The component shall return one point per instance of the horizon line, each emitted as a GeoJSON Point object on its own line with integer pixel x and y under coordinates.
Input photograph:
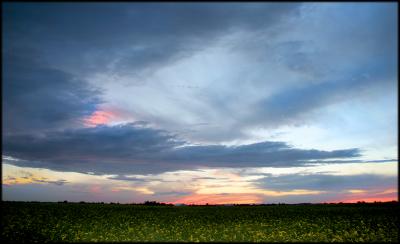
{"type": "Point", "coordinates": [154, 203]}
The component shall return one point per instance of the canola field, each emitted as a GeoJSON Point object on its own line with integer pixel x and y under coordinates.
{"type": "Point", "coordinates": [74, 222]}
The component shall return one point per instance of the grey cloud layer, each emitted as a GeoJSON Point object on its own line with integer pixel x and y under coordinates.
{"type": "Point", "coordinates": [326, 182]}
{"type": "Point", "coordinates": [142, 34]}
{"type": "Point", "coordinates": [47, 46]}
{"type": "Point", "coordinates": [298, 57]}
{"type": "Point", "coordinates": [37, 98]}
{"type": "Point", "coordinates": [132, 148]}
{"type": "Point", "coordinates": [276, 76]}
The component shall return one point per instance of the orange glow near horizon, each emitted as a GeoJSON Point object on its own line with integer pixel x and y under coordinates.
{"type": "Point", "coordinates": [385, 195]}
{"type": "Point", "coordinates": [368, 199]}
{"type": "Point", "coordinates": [237, 198]}
{"type": "Point", "coordinates": [227, 188]}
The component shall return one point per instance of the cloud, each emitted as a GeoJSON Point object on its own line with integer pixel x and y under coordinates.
{"type": "Point", "coordinates": [31, 179]}
{"type": "Point", "coordinates": [37, 98]}
{"type": "Point", "coordinates": [104, 143]}
{"type": "Point", "coordinates": [126, 178]}
{"type": "Point", "coordinates": [283, 75]}
{"type": "Point", "coordinates": [143, 35]}
{"type": "Point", "coordinates": [267, 153]}
{"type": "Point", "coordinates": [134, 148]}
{"type": "Point", "coordinates": [294, 104]}
{"type": "Point", "coordinates": [327, 182]}
{"type": "Point", "coordinates": [72, 193]}
{"type": "Point", "coordinates": [140, 37]}
{"type": "Point", "coordinates": [291, 185]}
{"type": "Point", "coordinates": [280, 63]}
{"type": "Point", "coordinates": [56, 182]}
{"type": "Point", "coordinates": [321, 60]}
{"type": "Point", "coordinates": [253, 65]}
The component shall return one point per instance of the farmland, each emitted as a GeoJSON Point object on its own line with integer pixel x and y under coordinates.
{"type": "Point", "coordinates": [74, 222]}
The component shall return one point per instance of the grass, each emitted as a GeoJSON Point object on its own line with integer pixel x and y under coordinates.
{"type": "Point", "coordinates": [73, 222]}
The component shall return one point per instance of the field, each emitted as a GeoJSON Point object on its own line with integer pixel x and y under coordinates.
{"type": "Point", "coordinates": [74, 222]}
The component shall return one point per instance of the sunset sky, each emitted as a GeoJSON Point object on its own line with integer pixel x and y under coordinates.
{"type": "Point", "coordinates": [200, 102]}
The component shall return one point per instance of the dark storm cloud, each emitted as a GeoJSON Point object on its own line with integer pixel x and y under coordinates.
{"type": "Point", "coordinates": [37, 98]}
{"type": "Point", "coordinates": [132, 148]}
{"type": "Point", "coordinates": [327, 182]}
{"type": "Point", "coordinates": [88, 37]}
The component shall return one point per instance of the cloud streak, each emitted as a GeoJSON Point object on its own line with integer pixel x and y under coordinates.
{"type": "Point", "coordinates": [136, 148]}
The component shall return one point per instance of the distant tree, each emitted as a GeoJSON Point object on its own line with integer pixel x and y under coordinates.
{"type": "Point", "coordinates": [153, 203]}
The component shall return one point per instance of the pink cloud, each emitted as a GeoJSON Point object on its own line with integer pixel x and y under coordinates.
{"type": "Point", "coordinates": [100, 118]}
{"type": "Point", "coordinates": [106, 116]}
{"type": "Point", "coordinates": [95, 189]}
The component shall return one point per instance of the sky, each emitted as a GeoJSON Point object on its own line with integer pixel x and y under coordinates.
{"type": "Point", "coordinates": [200, 102]}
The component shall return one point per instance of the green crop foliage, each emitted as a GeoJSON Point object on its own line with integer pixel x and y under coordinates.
{"type": "Point", "coordinates": [73, 222]}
